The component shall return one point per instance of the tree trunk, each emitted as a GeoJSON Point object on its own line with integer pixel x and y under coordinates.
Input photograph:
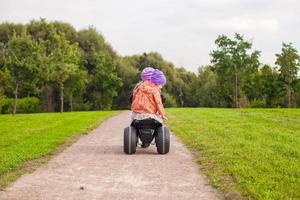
{"type": "Point", "coordinates": [50, 98]}
{"type": "Point", "coordinates": [71, 102]}
{"type": "Point", "coordinates": [16, 97]}
{"type": "Point", "coordinates": [61, 97]}
{"type": "Point", "coordinates": [181, 99]}
{"type": "Point", "coordinates": [236, 91]}
{"type": "Point", "coordinates": [289, 97]}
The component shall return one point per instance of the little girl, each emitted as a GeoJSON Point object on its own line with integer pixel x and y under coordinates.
{"type": "Point", "coordinates": [146, 101]}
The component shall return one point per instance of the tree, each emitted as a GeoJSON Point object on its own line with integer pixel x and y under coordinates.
{"type": "Point", "coordinates": [67, 29]}
{"type": "Point", "coordinates": [43, 32]}
{"type": "Point", "coordinates": [289, 62]}
{"type": "Point", "coordinates": [203, 90]}
{"type": "Point", "coordinates": [75, 85]}
{"type": "Point", "coordinates": [184, 79]}
{"type": "Point", "coordinates": [64, 60]}
{"type": "Point", "coordinates": [4, 77]}
{"type": "Point", "coordinates": [233, 62]}
{"type": "Point", "coordinates": [130, 75]}
{"type": "Point", "coordinates": [100, 61]}
{"type": "Point", "coordinates": [7, 30]}
{"type": "Point", "coordinates": [104, 84]}
{"type": "Point", "coordinates": [271, 88]}
{"type": "Point", "coordinates": [92, 44]}
{"type": "Point", "coordinates": [2, 74]}
{"type": "Point", "coordinates": [297, 95]}
{"type": "Point", "coordinates": [21, 62]}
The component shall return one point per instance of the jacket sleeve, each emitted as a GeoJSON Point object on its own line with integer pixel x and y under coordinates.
{"type": "Point", "coordinates": [132, 95]}
{"type": "Point", "coordinates": [159, 105]}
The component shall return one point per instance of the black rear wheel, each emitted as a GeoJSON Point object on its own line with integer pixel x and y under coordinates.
{"type": "Point", "coordinates": [163, 140]}
{"type": "Point", "coordinates": [130, 140]}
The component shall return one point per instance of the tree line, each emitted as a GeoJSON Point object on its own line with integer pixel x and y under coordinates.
{"type": "Point", "coordinates": [237, 78]}
{"type": "Point", "coordinates": [50, 66]}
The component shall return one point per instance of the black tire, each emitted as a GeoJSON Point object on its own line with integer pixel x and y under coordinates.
{"type": "Point", "coordinates": [163, 140]}
{"type": "Point", "coordinates": [130, 140]}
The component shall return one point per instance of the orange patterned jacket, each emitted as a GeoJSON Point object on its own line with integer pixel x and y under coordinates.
{"type": "Point", "coordinates": [147, 99]}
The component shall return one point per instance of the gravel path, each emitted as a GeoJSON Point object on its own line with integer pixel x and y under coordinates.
{"type": "Point", "coordinates": [95, 167]}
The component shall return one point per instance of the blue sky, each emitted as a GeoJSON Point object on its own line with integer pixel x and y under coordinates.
{"type": "Point", "coordinates": [183, 31]}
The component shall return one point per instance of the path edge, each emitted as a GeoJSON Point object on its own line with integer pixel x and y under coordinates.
{"type": "Point", "coordinates": [30, 166]}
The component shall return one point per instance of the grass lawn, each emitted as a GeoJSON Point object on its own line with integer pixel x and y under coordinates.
{"type": "Point", "coordinates": [26, 137]}
{"type": "Point", "coordinates": [253, 152]}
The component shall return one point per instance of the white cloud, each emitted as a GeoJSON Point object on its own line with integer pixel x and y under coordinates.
{"type": "Point", "coordinates": [248, 24]}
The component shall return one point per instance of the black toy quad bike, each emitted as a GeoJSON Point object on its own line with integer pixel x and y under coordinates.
{"type": "Point", "coordinates": [146, 130]}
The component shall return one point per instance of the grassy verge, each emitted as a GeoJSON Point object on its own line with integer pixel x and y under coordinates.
{"type": "Point", "coordinates": [254, 153]}
{"type": "Point", "coordinates": [28, 140]}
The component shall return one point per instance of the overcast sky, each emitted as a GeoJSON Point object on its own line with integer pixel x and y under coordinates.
{"type": "Point", "coordinates": [183, 31]}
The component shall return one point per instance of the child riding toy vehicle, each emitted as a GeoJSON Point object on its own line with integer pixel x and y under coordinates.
{"type": "Point", "coordinates": [146, 130]}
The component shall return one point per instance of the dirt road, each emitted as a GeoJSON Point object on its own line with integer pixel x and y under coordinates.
{"type": "Point", "coordinates": [95, 167]}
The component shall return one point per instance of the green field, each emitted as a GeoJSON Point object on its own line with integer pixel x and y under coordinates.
{"type": "Point", "coordinates": [25, 137]}
{"type": "Point", "coordinates": [252, 152]}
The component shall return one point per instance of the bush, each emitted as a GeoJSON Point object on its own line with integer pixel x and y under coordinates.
{"type": "Point", "coordinates": [1, 102]}
{"type": "Point", "coordinates": [169, 101]}
{"type": "Point", "coordinates": [6, 106]}
{"type": "Point", "coordinates": [24, 105]}
{"type": "Point", "coordinates": [258, 103]}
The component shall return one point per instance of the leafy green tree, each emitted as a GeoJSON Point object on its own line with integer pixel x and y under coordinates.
{"type": "Point", "coordinates": [92, 44]}
{"type": "Point", "coordinates": [7, 30]}
{"type": "Point", "coordinates": [184, 79]}
{"type": "Point", "coordinates": [100, 62]}
{"type": "Point", "coordinates": [130, 75]}
{"type": "Point", "coordinates": [265, 89]}
{"type": "Point", "coordinates": [3, 75]}
{"type": "Point", "coordinates": [22, 54]}
{"type": "Point", "coordinates": [67, 29]}
{"type": "Point", "coordinates": [204, 88]}
{"type": "Point", "coordinates": [43, 32]}
{"type": "Point", "coordinates": [57, 70]}
{"type": "Point", "coordinates": [3, 84]}
{"type": "Point", "coordinates": [75, 84]}
{"type": "Point", "coordinates": [289, 62]}
{"type": "Point", "coordinates": [64, 62]}
{"type": "Point", "coordinates": [233, 63]}
{"type": "Point", "coordinates": [297, 94]}
{"type": "Point", "coordinates": [2, 62]}
{"type": "Point", "coordinates": [103, 84]}
{"type": "Point", "coordinates": [271, 87]}
{"type": "Point", "coordinates": [253, 89]}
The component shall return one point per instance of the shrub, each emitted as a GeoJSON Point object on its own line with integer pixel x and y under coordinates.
{"type": "Point", "coordinates": [24, 105]}
{"type": "Point", "coordinates": [169, 101]}
{"type": "Point", "coordinates": [6, 106]}
{"type": "Point", "coordinates": [1, 102]}
{"type": "Point", "coordinates": [258, 103]}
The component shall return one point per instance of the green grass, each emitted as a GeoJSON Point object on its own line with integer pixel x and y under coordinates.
{"type": "Point", "coordinates": [27, 137]}
{"type": "Point", "coordinates": [252, 152]}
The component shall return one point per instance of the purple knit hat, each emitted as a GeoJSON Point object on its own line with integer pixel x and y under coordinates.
{"type": "Point", "coordinates": [147, 73]}
{"type": "Point", "coordinates": [158, 77]}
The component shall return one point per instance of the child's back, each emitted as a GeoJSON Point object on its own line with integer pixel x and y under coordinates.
{"type": "Point", "coordinates": [147, 99]}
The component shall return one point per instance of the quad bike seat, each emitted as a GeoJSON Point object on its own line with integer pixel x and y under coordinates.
{"type": "Point", "coordinates": [148, 123]}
